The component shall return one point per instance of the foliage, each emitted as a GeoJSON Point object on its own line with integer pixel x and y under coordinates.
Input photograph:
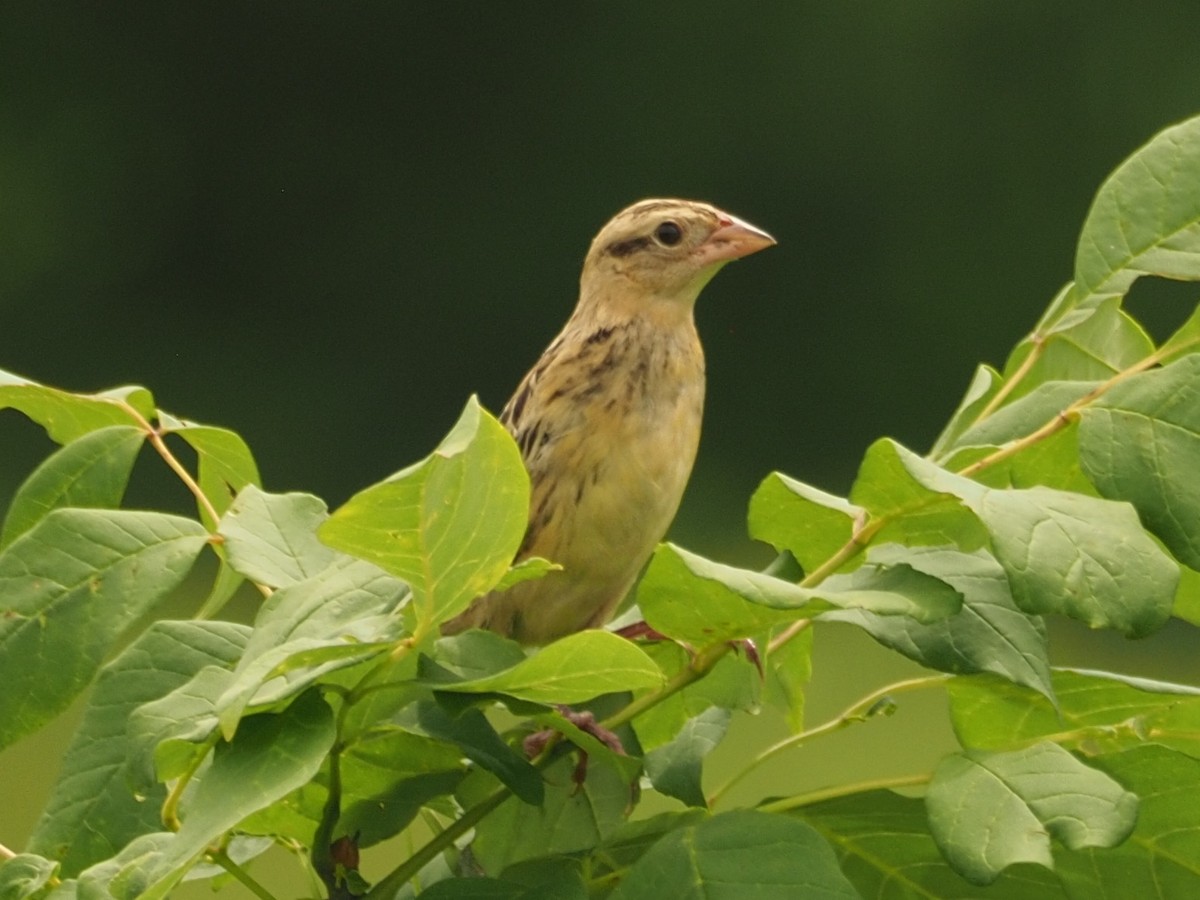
{"type": "Point", "coordinates": [1064, 484]}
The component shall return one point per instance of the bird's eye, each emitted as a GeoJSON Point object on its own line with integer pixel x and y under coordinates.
{"type": "Point", "coordinates": [668, 234]}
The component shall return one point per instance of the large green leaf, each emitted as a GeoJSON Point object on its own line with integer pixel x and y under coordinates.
{"type": "Point", "coordinates": [67, 416]}
{"type": "Point", "coordinates": [449, 525]}
{"type": "Point", "coordinates": [573, 817]}
{"type": "Point", "coordinates": [1141, 442]}
{"type": "Point", "coordinates": [791, 515]}
{"type": "Point", "coordinates": [693, 599]}
{"type": "Point", "coordinates": [91, 471]}
{"type": "Point", "coordinates": [1096, 712]}
{"type": "Point", "coordinates": [94, 810]}
{"type": "Point", "coordinates": [1161, 859]}
{"type": "Point", "coordinates": [989, 634]}
{"type": "Point", "coordinates": [884, 846]}
{"type": "Point", "coordinates": [1145, 219]}
{"type": "Point", "coordinates": [69, 588]}
{"type": "Point", "coordinates": [346, 613]}
{"type": "Point", "coordinates": [571, 670]}
{"type": "Point", "coordinates": [990, 810]}
{"type": "Point", "coordinates": [746, 855]}
{"type": "Point", "coordinates": [271, 756]}
{"type": "Point", "coordinates": [1064, 552]}
{"type": "Point", "coordinates": [272, 538]}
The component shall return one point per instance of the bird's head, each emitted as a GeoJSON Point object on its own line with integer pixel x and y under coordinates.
{"type": "Point", "coordinates": [667, 250]}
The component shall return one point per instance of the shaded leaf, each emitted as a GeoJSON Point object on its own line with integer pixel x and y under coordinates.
{"type": "Point", "coordinates": [884, 846]}
{"type": "Point", "coordinates": [70, 587]}
{"type": "Point", "coordinates": [744, 854]}
{"type": "Point", "coordinates": [990, 810]}
{"type": "Point", "coordinates": [675, 769]}
{"type": "Point", "coordinates": [91, 471]}
{"type": "Point", "coordinates": [272, 755]}
{"type": "Point", "coordinates": [989, 634]}
{"type": "Point", "coordinates": [1140, 442]}
{"type": "Point", "coordinates": [93, 810]}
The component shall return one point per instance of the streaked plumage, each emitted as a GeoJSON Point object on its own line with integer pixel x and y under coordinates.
{"type": "Point", "coordinates": [608, 420]}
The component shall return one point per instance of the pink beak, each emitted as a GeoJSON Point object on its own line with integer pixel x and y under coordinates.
{"type": "Point", "coordinates": [732, 240]}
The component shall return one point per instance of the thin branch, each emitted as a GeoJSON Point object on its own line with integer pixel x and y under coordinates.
{"type": "Point", "coordinates": [222, 859]}
{"type": "Point", "coordinates": [859, 711]}
{"type": "Point", "coordinates": [1039, 347]}
{"type": "Point", "coordinates": [845, 790]}
{"type": "Point", "coordinates": [406, 871]}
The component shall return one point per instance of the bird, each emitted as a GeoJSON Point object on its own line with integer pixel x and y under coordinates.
{"type": "Point", "coordinates": [608, 419]}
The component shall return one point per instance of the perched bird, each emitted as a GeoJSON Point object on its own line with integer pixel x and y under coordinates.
{"type": "Point", "coordinates": [608, 420]}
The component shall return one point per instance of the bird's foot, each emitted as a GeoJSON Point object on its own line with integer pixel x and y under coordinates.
{"type": "Point", "coordinates": [585, 721]}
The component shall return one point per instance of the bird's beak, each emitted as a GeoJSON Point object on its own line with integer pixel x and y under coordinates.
{"type": "Point", "coordinates": [732, 240]}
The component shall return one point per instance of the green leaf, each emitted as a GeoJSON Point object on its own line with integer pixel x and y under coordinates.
{"type": "Point", "coordinates": [571, 670]}
{"type": "Point", "coordinates": [91, 471]}
{"type": "Point", "coordinates": [1067, 553]}
{"type": "Point", "coordinates": [93, 810]}
{"type": "Point", "coordinates": [474, 735]}
{"type": "Point", "coordinates": [1094, 348]}
{"type": "Point", "coordinates": [1161, 859]}
{"type": "Point", "coordinates": [910, 511]}
{"type": "Point", "coordinates": [701, 602]}
{"type": "Point", "coordinates": [387, 777]}
{"type": "Point", "coordinates": [884, 846]}
{"type": "Point", "coordinates": [272, 538]}
{"type": "Point", "coordinates": [25, 875]}
{"type": "Point", "coordinates": [675, 768]}
{"type": "Point", "coordinates": [1096, 712]}
{"type": "Point", "coordinates": [1140, 442]}
{"type": "Point", "coordinates": [1187, 598]}
{"type": "Point", "coordinates": [1051, 462]}
{"type": "Point", "coordinates": [743, 854]}
{"type": "Point", "coordinates": [170, 735]}
{"type": "Point", "coordinates": [734, 683]}
{"type": "Point", "coordinates": [789, 669]}
{"type": "Point", "coordinates": [70, 587]}
{"type": "Point", "coordinates": [449, 525]}
{"type": "Point", "coordinates": [528, 569]}
{"type": "Point", "coordinates": [341, 616]}
{"type": "Point", "coordinates": [990, 634]}
{"type": "Point", "coordinates": [1026, 415]}
{"type": "Point", "coordinates": [67, 416]}
{"type": "Point", "coordinates": [573, 817]}
{"type": "Point", "coordinates": [1145, 219]}
{"type": "Point", "coordinates": [893, 588]}
{"type": "Point", "coordinates": [990, 810]}
{"type": "Point", "coordinates": [224, 463]}
{"type": "Point", "coordinates": [791, 515]}
{"type": "Point", "coordinates": [271, 756]}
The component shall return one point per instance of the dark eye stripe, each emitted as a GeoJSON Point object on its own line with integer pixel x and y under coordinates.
{"type": "Point", "coordinates": [624, 248]}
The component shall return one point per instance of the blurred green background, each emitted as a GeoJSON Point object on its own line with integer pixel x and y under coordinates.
{"type": "Point", "coordinates": [325, 225]}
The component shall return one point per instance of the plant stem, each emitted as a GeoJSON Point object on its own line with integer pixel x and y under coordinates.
{"type": "Point", "coordinates": [408, 870]}
{"type": "Point", "coordinates": [859, 711]}
{"type": "Point", "coordinates": [156, 440]}
{"type": "Point", "coordinates": [222, 859]}
{"type": "Point", "coordinates": [1039, 347]}
{"type": "Point", "coordinates": [700, 666]}
{"type": "Point", "coordinates": [845, 790]}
